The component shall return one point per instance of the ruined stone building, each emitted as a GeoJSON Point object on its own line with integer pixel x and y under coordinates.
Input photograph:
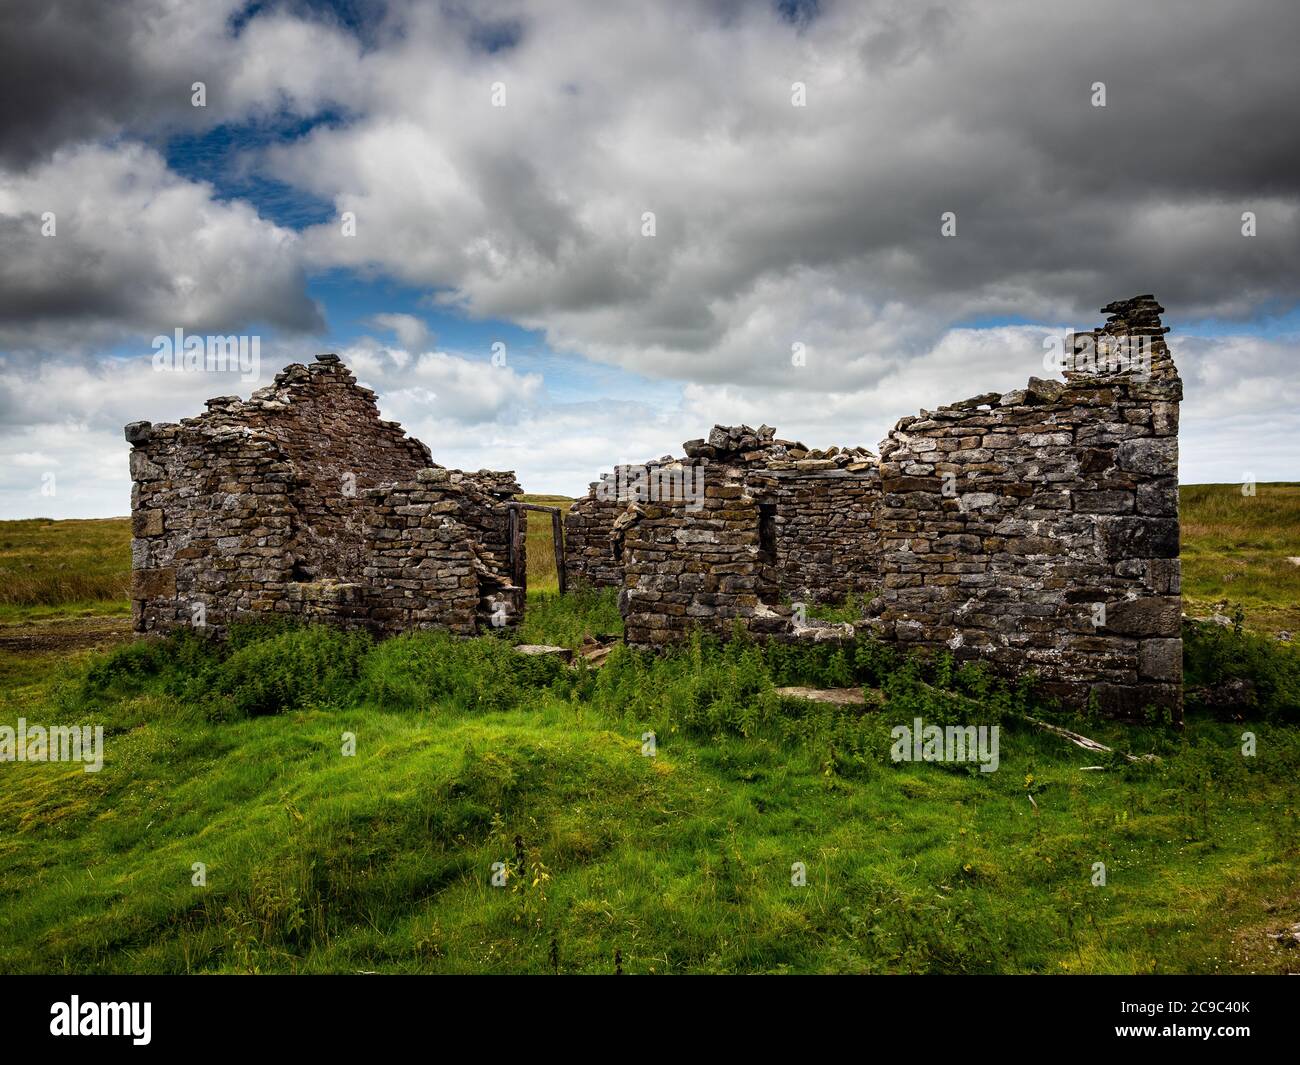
{"type": "Point", "coordinates": [1036, 530]}
{"type": "Point", "coordinates": [300, 501]}
{"type": "Point", "coordinates": [1056, 547]}
{"type": "Point", "coordinates": [1033, 530]}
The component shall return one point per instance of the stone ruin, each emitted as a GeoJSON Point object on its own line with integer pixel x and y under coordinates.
{"type": "Point", "coordinates": [1034, 530]}
{"type": "Point", "coordinates": [806, 516]}
{"type": "Point", "coordinates": [302, 502]}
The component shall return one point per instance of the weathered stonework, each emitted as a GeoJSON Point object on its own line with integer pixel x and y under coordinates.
{"type": "Point", "coordinates": [591, 556]}
{"type": "Point", "coordinates": [301, 501]}
{"type": "Point", "coordinates": [824, 502]}
{"type": "Point", "coordinates": [1039, 529]}
{"type": "Point", "coordinates": [1036, 530]}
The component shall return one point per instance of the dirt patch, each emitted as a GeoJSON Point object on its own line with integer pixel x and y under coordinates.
{"type": "Point", "coordinates": [65, 634]}
{"type": "Point", "coordinates": [1270, 944]}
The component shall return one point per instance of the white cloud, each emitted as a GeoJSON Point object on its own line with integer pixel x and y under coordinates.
{"type": "Point", "coordinates": [775, 225]}
{"type": "Point", "coordinates": [412, 333]}
{"type": "Point", "coordinates": [1241, 414]}
{"type": "Point", "coordinates": [136, 250]}
{"type": "Point", "coordinates": [32, 460]}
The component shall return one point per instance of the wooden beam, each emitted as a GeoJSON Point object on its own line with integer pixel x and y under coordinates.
{"type": "Point", "coordinates": [518, 562]}
{"type": "Point", "coordinates": [557, 536]}
{"type": "Point", "coordinates": [517, 505]}
{"type": "Point", "coordinates": [1084, 742]}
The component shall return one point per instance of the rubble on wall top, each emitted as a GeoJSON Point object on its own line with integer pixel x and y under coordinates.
{"type": "Point", "coordinates": [226, 417]}
{"type": "Point", "coordinates": [278, 396]}
{"type": "Point", "coordinates": [1138, 316]}
{"type": "Point", "coordinates": [1136, 310]}
{"type": "Point", "coordinates": [756, 448]}
{"type": "Point", "coordinates": [761, 447]}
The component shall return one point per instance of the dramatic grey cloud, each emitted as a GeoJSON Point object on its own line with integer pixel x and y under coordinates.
{"type": "Point", "coordinates": [72, 71]}
{"type": "Point", "coordinates": [767, 213]}
{"type": "Point", "coordinates": [774, 225]}
{"type": "Point", "coordinates": [132, 248]}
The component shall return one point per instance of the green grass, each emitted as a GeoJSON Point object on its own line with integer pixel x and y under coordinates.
{"type": "Point", "coordinates": [51, 569]}
{"type": "Point", "coordinates": [1235, 549]}
{"type": "Point", "coordinates": [468, 754]}
{"type": "Point", "coordinates": [852, 610]}
{"type": "Point", "coordinates": [564, 621]}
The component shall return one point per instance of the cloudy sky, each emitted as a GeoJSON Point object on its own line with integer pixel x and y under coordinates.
{"type": "Point", "coordinates": [418, 185]}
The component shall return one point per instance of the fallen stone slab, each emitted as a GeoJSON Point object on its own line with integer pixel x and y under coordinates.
{"type": "Point", "coordinates": [544, 650]}
{"type": "Point", "coordinates": [819, 631]}
{"type": "Point", "coordinates": [595, 649]}
{"type": "Point", "coordinates": [847, 698]}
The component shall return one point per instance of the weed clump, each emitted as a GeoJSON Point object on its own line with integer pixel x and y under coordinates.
{"type": "Point", "coordinates": [1229, 664]}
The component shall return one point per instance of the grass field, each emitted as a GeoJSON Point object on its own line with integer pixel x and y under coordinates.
{"type": "Point", "coordinates": [1244, 550]}
{"type": "Point", "coordinates": [540, 545]}
{"type": "Point", "coordinates": [64, 568]}
{"type": "Point", "coordinates": [467, 754]}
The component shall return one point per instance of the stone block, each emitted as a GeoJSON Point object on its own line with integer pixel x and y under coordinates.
{"type": "Point", "coordinates": [146, 523]}
{"type": "Point", "coordinates": [153, 583]}
{"type": "Point", "coordinates": [1148, 616]}
{"type": "Point", "coordinates": [1161, 659]}
{"type": "Point", "coordinates": [1157, 456]}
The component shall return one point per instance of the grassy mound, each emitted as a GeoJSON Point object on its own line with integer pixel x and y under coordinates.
{"type": "Point", "coordinates": [231, 830]}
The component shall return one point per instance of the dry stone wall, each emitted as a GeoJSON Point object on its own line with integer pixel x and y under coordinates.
{"type": "Point", "coordinates": [299, 501]}
{"type": "Point", "coordinates": [775, 522]}
{"type": "Point", "coordinates": [591, 555]}
{"type": "Point", "coordinates": [827, 546]}
{"type": "Point", "coordinates": [703, 568]}
{"type": "Point", "coordinates": [824, 502]}
{"type": "Point", "coordinates": [1039, 529]}
{"type": "Point", "coordinates": [1036, 530]}
{"type": "Point", "coordinates": [426, 566]}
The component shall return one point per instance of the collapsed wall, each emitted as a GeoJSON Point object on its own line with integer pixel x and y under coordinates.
{"type": "Point", "coordinates": [1038, 530]}
{"type": "Point", "coordinates": [592, 557]}
{"type": "Point", "coordinates": [703, 570]}
{"type": "Point", "coordinates": [302, 501]}
{"type": "Point", "coordinates": [771, 522]}
{"type": "Point", "coordinates": [824, 502]}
